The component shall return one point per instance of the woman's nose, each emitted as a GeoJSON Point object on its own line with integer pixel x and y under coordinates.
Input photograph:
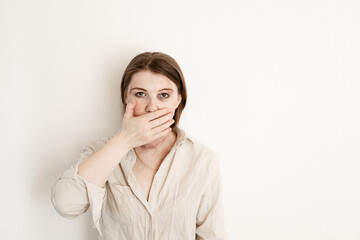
{"type": "Point", "coordinates": [151, 105]}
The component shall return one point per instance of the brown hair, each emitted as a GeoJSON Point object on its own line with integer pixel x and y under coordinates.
{"type": "Point", "coordinates": [161, 63]}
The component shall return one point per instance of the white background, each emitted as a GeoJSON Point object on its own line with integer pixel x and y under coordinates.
{"type": "Point", "coordinates": [273, 88]}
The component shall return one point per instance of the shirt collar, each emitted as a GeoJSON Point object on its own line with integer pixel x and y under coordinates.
{"type": "Point", "coordinates": [182, 135]}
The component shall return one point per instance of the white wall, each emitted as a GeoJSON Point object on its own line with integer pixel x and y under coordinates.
{"type": "Point", "coordinates": [273, 89]}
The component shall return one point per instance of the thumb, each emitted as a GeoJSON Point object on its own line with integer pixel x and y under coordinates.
{"type": "Point", "coordinates": [129, 111]}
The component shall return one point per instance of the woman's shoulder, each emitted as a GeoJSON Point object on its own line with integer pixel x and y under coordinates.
{"type": "Point", "coordinates": [199, 148]}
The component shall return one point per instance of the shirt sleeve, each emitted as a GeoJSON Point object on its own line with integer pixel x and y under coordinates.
{"type": "Point", "coordinates": [210, 216]}
{"type": "Point", "coordinates": [72, 195]}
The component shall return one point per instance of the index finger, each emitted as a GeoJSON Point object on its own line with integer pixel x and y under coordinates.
{"type": "Point", "coordinates": [153, 115]}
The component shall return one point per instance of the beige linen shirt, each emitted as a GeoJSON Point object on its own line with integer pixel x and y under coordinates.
{"type": "Point", "coordinates": [185, 200]}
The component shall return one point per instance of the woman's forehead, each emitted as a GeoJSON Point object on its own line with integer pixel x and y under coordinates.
{"type": "Point", "coordinates": [150, 81]}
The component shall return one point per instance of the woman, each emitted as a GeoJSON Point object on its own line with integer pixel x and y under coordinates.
{"type": "Point", "coordinates": [150, 180]}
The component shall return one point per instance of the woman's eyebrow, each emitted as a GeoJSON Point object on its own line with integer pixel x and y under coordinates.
{"type": "Point", "coordinates": [132, 89]}
{"type": "Point", "coordinates": [142, 89]}
{"type": "Point", "coordinates": [169, 89]}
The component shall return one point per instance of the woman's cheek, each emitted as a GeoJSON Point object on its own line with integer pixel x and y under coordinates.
{"type": "Point", "coordinates": [173, 107]}
{"type": "Point", "coordinates": [139, 110]}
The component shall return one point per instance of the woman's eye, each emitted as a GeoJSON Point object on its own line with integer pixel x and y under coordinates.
{"type": "Point", "coordinates": [165, 95]}
{"type": "Point", "coordinates": [139, 94]}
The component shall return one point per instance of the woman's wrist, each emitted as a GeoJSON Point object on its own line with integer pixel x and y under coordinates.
{"type": "Point", "coordinates": [122, 141]}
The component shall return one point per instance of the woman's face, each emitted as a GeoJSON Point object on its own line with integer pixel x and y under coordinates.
{"type": "Point", "coordinates": [152, 92]}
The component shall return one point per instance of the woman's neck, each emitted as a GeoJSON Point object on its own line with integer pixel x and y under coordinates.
{"type": "Point", "coordinates": [153, 153]}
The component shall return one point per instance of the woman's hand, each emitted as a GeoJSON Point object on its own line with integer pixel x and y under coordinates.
{"type": "Point", "coordinates": [137, 131]}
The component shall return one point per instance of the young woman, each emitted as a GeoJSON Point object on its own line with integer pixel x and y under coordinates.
{"type": "Point", "coordinates": [151, 179]}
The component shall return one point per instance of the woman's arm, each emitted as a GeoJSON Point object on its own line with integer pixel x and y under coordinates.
{"type": "Point", "coordinates": [210, 216]}
{"type": "Point", "coordinates": [71, 194]}
{"type": "Point", "coordinates": [83, 184]}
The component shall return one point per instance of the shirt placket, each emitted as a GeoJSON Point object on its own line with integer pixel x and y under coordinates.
{"type": "Point", "coordinates": [152, 204]}
{"type": "Point", "coordinates": [150, 228]}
